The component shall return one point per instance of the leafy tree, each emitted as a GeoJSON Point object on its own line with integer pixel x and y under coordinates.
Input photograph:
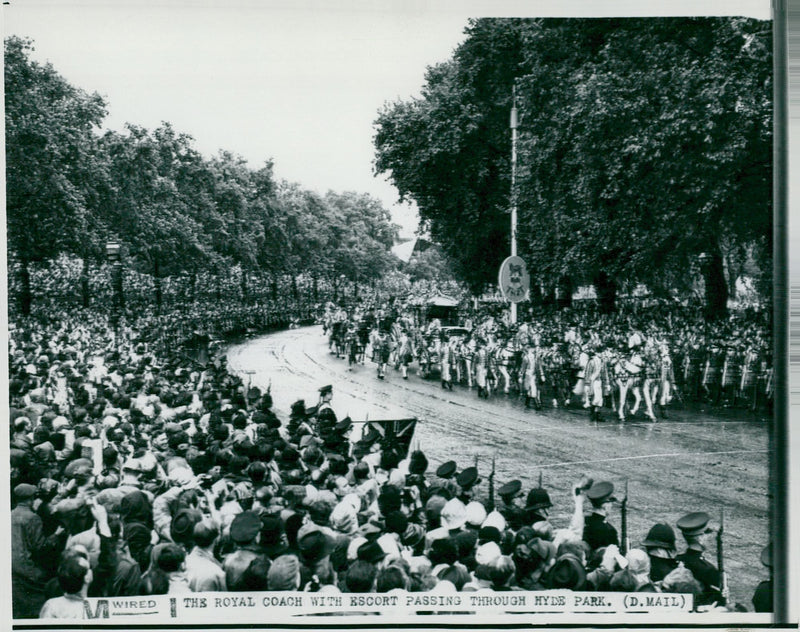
{"type": "Point", "coordinates": [643, 143]}
{"type": "Point", "coordinates": [51, 162]}
{"type": "Point", "coordinates": [145, 207]}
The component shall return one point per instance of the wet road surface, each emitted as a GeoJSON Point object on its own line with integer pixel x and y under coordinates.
{"type": "Point", "coordinates": [692, 461]}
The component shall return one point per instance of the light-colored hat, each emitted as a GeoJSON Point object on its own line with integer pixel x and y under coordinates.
{"type": "Point", "coordinates": [454, 514]}
{"type": "Point", "coordinates": [487, 553]}
{"type": "Point", "coordinates": [476, 513]}
{"type": "Point", "coordinates": [495, 519]}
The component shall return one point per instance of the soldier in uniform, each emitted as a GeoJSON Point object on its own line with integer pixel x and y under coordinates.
{"type": "Point", "coordinates": [651, 375]}
{"type": "Point", "coordinates": [326, 417]}
{"type": "Point", "coordinates": [514, 514]}
{"type": "Point", "coordinates": [694, 527]}
{"type": "Point", "coordinates": [405, 352]}
{"type": "Point", "coordinates": [481, 362]}
{"type": "Point", "coordinates": [594, 382]}
{"type": "Point", "coordinates": [384, 347]}
{"type": "Point", "coordinates": [634, 368]}
{"type": "Point", "coordinates": [531, 373]}
{"type": "Point", "coordinates": [597, 532]}
{"type": "Point", "coordinates": [445, 357]}
{"type": "Point", "coordinates": [666, 379]}
{"type": "Point", "coordinates": [466, 481]}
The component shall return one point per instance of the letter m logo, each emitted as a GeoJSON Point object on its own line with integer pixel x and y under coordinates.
{"type": "Point", "coordinates": [100, 612]}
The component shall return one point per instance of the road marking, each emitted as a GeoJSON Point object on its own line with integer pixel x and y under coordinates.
{"type": "Point", "coordinates": [652, 456]}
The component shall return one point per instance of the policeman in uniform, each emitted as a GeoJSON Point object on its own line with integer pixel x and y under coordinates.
{"type": "Point", "coordinates": [536, 506]}
{"type": "Point", "coordinates": [660, 546]}
{"type": "Point", "coordinates": [694, 527]}
{"type": "Point", "coordinates": [597, 533]}
{"type": "Point", "coordinates": [513, 513]}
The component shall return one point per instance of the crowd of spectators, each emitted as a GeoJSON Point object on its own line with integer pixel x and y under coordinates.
{"type": "Point", "coordinates": [139, 471]}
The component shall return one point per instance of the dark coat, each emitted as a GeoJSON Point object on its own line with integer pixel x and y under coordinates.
{"type": "Point", "coordinates": [29, 549]}
{"type": "Point", "coordinates": [597, 533]}
{"type": "Point", "coordinates": [661, 567]}
{"type": "Point", "coordinates": [706, 573]}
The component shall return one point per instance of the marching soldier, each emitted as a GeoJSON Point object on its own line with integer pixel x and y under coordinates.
{"type": "Point", "coordinates": [695, 530]}
{"type": "Point", "coordinates": [467, 351]}
{"type": "Point", "coordinates": [633, 368]}
{"type": "Point", "coordinates": [594, 382]}
{"type": "Point", "coordinates": [531, 373]}
{"type": "Point", "coordinates": [405, 353]}
{"type": "Point", "coordinates": [651, 376]}
{"type": "Point", "coordinates": [504, 364]}
{"type": "Point", "coordinates": [384, 353]}
{"type": "Point", "coordinates": [445, 357]}
{"type": "Point", "coordinates": [666, 379]}
{"type": "Point", "coordinates": [481, 362]}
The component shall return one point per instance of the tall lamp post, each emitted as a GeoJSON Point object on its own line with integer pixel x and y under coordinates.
{"type": "Point", "coordinates": [513, 125]}
{"type": "Point", "coordinates": [114, 256]}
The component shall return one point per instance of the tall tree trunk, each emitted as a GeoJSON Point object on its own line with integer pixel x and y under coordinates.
{"type": "Point", "coordinates": [315, 287]}
{"type": "Point", "coordinates": [85, 298]}
{"type": "Point", "coordinates": [274, 288]}
{"type": "Point", "coordinates": [606, 290]}
{"type": "Point", "coordinates": [564, 292]}
{"type": "Point", "coordinates": [26, 297]}
{"type": "Point", "coordinates": [549, 296]}
{"type": "Point", "coordinates": [716, 286]}
{"type": "Point", "coordinates": [294, 288]}
{"type": "Point", "coordinates": [157, 283]}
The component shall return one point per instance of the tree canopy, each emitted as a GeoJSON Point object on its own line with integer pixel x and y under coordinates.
{"type": "Point", "coordinates": [643, 145]}
{"type": "Point", "coordinates": [72, 188]}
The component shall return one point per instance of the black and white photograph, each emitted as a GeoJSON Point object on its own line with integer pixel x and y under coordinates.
{"type": "Point", "coordinates": [381, 313]}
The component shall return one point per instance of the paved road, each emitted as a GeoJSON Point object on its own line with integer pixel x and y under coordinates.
{"type": "Point", "coordinates": [691, 462]}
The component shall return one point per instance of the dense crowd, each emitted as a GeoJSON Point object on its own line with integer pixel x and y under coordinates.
{"type": "Point", "coordinates": [137, 472]}
{"type": "Point", "coordinates": [633, 361]}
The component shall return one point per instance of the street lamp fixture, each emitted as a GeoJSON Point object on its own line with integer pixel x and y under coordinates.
{"type": "Point", "coordinates": [113, 251]}
{"type": "Point", "coordinates": [114, 256]}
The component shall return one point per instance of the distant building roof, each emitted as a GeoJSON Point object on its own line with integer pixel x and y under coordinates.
{"type": "Point", "coordinates": [441, 300]}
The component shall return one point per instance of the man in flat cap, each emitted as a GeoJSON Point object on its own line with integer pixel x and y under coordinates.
{"type": "Point", "coordinates": [695, 530]}
{"type": "Point", "coordinates": [597, 532]}
{"type": "Point", "coordinates": [245, 532]}
{"type": "Point", "coordinates": [29, 551]}
{"type": "Point", "coordinates": [513, 513]}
